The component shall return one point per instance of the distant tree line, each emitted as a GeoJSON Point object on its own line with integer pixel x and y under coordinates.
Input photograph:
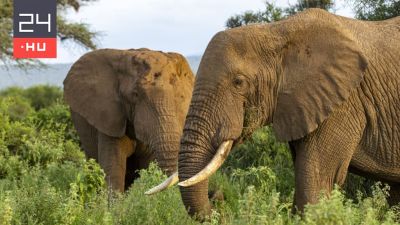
{"type": "Point", "coordinates": [376, 9]}
{"type": "Point", "coordinates": [364, 10]}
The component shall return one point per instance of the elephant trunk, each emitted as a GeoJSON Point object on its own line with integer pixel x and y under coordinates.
{"type": "Point", "coordinates": [195, 153]}
{"type": "Point", "coordinates": [166, 148]}
{"type": "Point", "coordinates": [195, 197]}
{"type": "Point", "coordinates": [165, 144]}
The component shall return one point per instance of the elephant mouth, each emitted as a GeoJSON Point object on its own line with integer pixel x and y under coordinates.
{"type": "Point", "coordinates": [215, 163]}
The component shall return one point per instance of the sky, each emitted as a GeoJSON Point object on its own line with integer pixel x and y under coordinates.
{"type": "Point", "coordinates": [184, 26]}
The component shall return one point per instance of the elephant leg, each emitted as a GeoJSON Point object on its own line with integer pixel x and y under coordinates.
{"type": "Point", "coordinates": [322, 158]}
{"type": "Point", "coordinates": [394, 194]}
{"type": "Point", "coordinates": [316, 172]}
{"type": "Point", "coordinates": [137, 161]}
{"type": "Point", "coordinates": [113, 153]}
{"type": "Point", "coordinates": [87, 135]}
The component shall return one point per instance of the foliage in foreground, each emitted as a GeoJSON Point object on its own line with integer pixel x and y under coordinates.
{"type": "Point", "coordinates": [45, 179]}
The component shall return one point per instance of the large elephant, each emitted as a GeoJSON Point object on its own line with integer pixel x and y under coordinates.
{"type": "Point", "coordinates": [129, 107]}
{"type": "Point", "coordinates": [328, 84]}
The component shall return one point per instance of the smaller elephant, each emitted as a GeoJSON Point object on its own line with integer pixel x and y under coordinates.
{"type": "Point", "coordinates": [129, 107]}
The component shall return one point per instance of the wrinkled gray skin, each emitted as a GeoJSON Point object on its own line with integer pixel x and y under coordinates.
{"type": "Point", "coordinates": [129, 107]}
{"type": "Point", "coordinates": [328, 84]}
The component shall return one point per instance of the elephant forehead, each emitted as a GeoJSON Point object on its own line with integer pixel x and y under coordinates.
{"type": "Point", "coordinates": [153, 58]}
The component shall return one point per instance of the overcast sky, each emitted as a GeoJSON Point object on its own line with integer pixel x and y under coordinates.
{"type": "Point", "coordinates": [184, 26]}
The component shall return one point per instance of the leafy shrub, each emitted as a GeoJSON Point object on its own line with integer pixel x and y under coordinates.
{"type": "Point", "coordinates": [262, 157]}
{"type": "Point", "coordinates": [164, 208]}
{"type": "Point", "coordinates": [356, 185]}
{"type": "Point", "coordinates": [12, 92]}
{"type": "Point", "coordinates": [6, 212]}
{"type": "Point", "coordinates": [57, 116]}
{"type": "Point", "coordinates": [89, 181]}
{"type": "Point", "coordinates": [17, 108]}
{"type": "Point", "coordinates": [34, 199]}
{"type": "Point", "coordinates": [40, 96]}
{"type": "Point", "coordinates": [43, 96]}
{"type": "Point", "coordinates": [45, 179]}
{"type": "Point", "coordinates": [339, 210]}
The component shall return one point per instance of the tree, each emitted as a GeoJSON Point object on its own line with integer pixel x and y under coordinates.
{"type": "Point", "coordinates": [273, 13]}
{"type": "Point", "coordinates": [302, 5]}
{"type": "Point", "coordinates": [376, 9]}
{"type": "Point", "coordinates": [270, 14]}
{"type": "Point", "coordinates": [78, 33]}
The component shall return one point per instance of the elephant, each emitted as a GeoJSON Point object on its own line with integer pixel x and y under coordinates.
{"type": "Point", "coordinates": [129, 108]}
{"type": "Point", "coordinates": [329, 85]}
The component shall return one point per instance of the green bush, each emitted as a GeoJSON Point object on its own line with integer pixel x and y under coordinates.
{"type": "Point", "coordinates": [262, 159]}
{"type": "Point", "coordinates": [164, 208]}
{"type": "Point", "coordinates": [45, 179]}
{"type": "Point", "coordinates": [57, 116]}
{"type": "Point", "coordinates": [17, 108]}
{"type": "Point", "coordinates": [41, 96]}
{"type": "Point", "coordinates": [12, 92]}
{"type": "Point", "coordinates": [339, 210]}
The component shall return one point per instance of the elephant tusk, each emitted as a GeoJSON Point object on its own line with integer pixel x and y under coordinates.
{"type": "Point", "coordinates": [170, 181]}
{"type": "Point", "coordinates": [212, 166]}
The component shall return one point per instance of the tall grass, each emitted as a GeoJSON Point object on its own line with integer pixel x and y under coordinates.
{"type": "Point", "coordinates": [45, 179]}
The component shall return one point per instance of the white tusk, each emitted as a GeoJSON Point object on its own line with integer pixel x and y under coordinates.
{"type": "Point", "coordinates": [212, 166]}
{"type": "Point", "coordinates": [170, 181]}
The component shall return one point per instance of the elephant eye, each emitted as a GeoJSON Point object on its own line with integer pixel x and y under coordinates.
{"type": "Point", "coordinates": [238, 81]}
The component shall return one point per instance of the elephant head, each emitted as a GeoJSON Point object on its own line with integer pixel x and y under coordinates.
{"type": "Point", "coordinates": [142, 92]}
{"type": "Point", "coordinates": [291, 73]}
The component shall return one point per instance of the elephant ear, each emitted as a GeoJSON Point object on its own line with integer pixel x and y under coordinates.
{"type": "Point", "coordinates": [322, 64]}
{"type": "Point", "coordinates": [92, 89]}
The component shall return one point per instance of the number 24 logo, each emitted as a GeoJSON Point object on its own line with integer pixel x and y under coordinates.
{"type": "Point", "coordinates": [31, 22]}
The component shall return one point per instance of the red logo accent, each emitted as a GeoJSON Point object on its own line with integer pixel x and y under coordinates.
{"type": "Point", "coordinates": [35, 47]}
